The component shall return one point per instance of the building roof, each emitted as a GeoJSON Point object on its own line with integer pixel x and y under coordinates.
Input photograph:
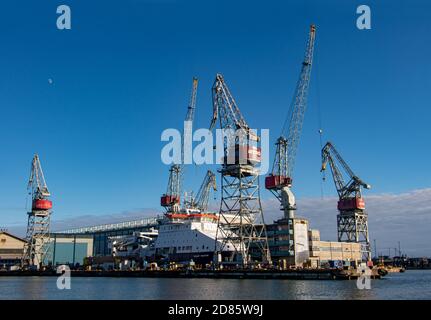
{"type": "Point", "coordinates": [11, 235]}
{"type": "Point", "coordinates": [145, 222]}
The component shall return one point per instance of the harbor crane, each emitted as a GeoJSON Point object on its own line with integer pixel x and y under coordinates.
{"type": "Point", "coordinates": [352, 220]}
{"type": "Point", "coordinates": [240, 202]}
{"type": "Point", "coordinates": [200, 201]}
{"type": "Point", "coordinates": [279, 182]}
{"type": "Point", "coordinates": [36, 249]}
{"type": "Point", "coordinates": [172, 198]}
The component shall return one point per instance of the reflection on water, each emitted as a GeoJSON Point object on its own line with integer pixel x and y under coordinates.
{"type": "Point", "coordinates": [410, 285]}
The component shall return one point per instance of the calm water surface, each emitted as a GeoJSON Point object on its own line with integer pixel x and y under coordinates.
{"type": "Point", "coordinates": [414, 284]}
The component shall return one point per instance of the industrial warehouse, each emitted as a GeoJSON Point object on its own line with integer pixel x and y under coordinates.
{"type": "Point", "coordinates": [188, 234]}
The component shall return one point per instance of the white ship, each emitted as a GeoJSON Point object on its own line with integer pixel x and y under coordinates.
{"type": "Point", "coordinates": [188, 232]}
{"type": "Point", "coordinates": [189, 235]}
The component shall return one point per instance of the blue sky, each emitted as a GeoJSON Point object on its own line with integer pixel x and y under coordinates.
{"type": "Point", "coordinates": [123, 74]}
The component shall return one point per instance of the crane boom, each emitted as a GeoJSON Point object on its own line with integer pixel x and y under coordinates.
{"type": "Point", "coordinates": [240, 145]}
{"type": "Point", "coordinates": [192, 104]}
{"type": "Point", "coordinates": [287, 143]}
{"type": "Point", "coordinates": [279, 182]}
{"type": "Point", "coordinates": [171, 199]}
{"type": "Point", "coordinates": [179, 169]}
{"type": "Point", "coordinates": [225, 107]}
{"type": "Point", "coordinates": [345, 190]}
{"type": "Point", "coordinates": [293, 125]}
{"type": "Point", "coordinates": [36, 183]}
{"type": "Point", "coordinates": [299, 104]}
{"type": "Point", "coordinates": [202, 197]}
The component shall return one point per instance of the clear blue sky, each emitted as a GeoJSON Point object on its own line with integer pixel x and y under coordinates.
{"type": "Point", "coordinates": [123, 74]}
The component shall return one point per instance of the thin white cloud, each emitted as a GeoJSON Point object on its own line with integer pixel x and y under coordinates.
{"type": "Point", "coordinates": [90, 220]}
{"type": "Point", "coordinates": [404, 217]}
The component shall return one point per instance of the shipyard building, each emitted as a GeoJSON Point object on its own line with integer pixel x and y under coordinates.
{"type": "Point", "coordinates": [11, 249]}
{"type": "Point", "coordinates": [69, 249]}
{"type": "Point", "coordinates": [293, 243]}
{"type": "Point", "coordinates": [102, 234]}
{"type": "Point", "coordinates": [288, 241]}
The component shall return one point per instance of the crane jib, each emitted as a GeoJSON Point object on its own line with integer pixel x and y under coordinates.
{"type": "Point", "coordinates": [286, 148]}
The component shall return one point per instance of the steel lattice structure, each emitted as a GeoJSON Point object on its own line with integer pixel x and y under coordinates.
{"type": "Point", "coordinates": [36, 249]}
{"type": "Point", "coordinates": [352, 220]}
{"type": "Point", "coordinates": [352, 226]}
{"type": "Point", "coordinates": [172, 198]}
{"type": "Point", "coordinates": [200, 201]}
{"type": "Point", "coordinates": [291, 132]}
{"type": "Point", "coordinates": [279, 182]}
{"type": "Point", "coordinates": [240, 203]}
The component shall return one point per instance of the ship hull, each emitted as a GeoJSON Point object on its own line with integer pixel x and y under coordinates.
{"type": "Point", "coordinates": [201, 258]}
{"type": "Point", "coordinates": [198, 258]}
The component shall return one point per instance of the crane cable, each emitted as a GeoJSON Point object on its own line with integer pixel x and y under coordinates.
{"type": "Point", "coordinates": [319, 120]}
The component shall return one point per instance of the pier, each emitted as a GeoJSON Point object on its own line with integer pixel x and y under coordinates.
{"type": "Point", "coordinates": [300, 274]}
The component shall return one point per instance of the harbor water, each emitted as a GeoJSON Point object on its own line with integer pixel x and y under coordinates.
{"type": "Point", "coordinates": [413, 284]}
